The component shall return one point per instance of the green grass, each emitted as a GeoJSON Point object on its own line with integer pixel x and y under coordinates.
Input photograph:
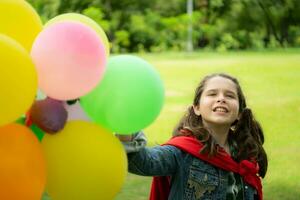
{"type": "Point", "coordinates": [271, 83]}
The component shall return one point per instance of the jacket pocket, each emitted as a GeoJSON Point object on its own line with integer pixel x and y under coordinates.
{"type": "Point", "coordinates": [202, 182]}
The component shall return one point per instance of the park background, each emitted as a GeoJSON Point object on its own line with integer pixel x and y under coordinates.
{"type": "Point", "coordinates": [255, 40]}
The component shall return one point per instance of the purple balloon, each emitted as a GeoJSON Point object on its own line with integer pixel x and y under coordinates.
{"type": "Point", "coordinates": [49, 115]}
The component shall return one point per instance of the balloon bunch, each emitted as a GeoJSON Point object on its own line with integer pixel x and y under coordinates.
{"type": "Point", "coordinates": [66, 59]}
{"type": "Point", "coordinates": [22, 161]}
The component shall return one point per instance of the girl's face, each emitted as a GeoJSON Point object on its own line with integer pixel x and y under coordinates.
{"type": "Point", "coordinates": [219, 104]}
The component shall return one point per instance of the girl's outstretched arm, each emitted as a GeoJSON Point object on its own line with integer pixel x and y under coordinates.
{"type": "Point", "coordinates": [156, 161]}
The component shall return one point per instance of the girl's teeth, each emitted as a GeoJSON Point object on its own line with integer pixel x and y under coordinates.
{"type": "Point", "coordinates": [220, 110]}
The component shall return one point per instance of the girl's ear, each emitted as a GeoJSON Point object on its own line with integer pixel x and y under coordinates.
{"type": "Point", "coordinates": [196, 110]}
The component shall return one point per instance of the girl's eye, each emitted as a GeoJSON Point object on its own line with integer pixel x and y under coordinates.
{"type": "Point", "coordinates": [231, 96]}
{"type": "Point", "coordinates": [211, 94]}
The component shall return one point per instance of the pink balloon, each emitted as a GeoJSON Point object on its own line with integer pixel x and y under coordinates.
{"type": "Point", "coordinates": [70, 60]}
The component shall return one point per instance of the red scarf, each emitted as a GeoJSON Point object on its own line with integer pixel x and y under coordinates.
{"type": "Point", "coordinates": [161, 186]}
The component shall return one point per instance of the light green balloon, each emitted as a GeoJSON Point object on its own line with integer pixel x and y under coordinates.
{"type": "Point", "coordinates": [85, 20]}
{"type": "Point", "coordinates": [129, 97]}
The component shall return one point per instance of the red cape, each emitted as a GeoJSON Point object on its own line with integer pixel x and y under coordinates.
{"type": "Point", "coordinates": [160, 188]}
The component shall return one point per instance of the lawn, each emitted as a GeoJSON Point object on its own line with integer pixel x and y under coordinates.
{"type": "Point", "coordinates": [271, 83]}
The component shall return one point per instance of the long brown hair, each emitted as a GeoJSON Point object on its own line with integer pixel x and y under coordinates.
{"type": "Point", "coordinates": [246, 134]}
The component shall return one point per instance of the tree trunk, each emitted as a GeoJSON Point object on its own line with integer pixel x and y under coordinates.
{"type": "Point", "coordinates": [269, 21]}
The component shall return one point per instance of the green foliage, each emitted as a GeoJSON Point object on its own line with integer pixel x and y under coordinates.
{"type": "Point", "coordinates": [46, 8]}
{"type": "Point", "coordinates": [227, 42]}
{"type": "Point", "coordinates": [294, 35]}
{"type": "Point", "coordinates": [169, 8]}
{"type": "Point", "coordinates": [154, 25]}
{"type": "Point", "coordinates": [273, 43]}
{"type": "Point", "coordinates": [143, 33]}
{"type": "Point", "coordinates": [121, 41]}
{"type": "Point", "coordinates": [256, 40]}
{"type": "Point", "coordinates": [174, 34]}
{"type": "Point", "coordinates": [97, 15]}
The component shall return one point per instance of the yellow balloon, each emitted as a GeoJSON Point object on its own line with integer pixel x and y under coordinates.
{"type": "Point", "coordinates": [18, 80]}
{"type": "Point", "coordinates": [85, 20]}
{"type": "Point", "coordinates": [84, 161]}
{"type": "Point", "coordinates": [20, 21]}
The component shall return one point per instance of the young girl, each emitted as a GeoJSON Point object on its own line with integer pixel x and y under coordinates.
{"type": "Point", "coordinates": [216, 151]}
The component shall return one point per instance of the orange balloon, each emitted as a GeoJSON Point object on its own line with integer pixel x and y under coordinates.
{"type": "Point", "coordinates": [22, 164]}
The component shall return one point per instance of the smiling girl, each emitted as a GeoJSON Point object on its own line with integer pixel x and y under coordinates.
{"type": "Point", "coordinates": [215, 153]}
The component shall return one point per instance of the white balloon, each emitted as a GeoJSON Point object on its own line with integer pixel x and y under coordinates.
{"type": "Point", "coordinates": [40, 95]}
{"type": "Point", "coordinates": [75, 112]}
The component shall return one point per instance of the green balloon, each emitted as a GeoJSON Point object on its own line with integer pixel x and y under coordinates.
{"type": "Point", "coordinates": [129, 97]}
{"type": "Point", "coordinates": [21, 120]}
{"type": "Point", "coordinates": [37, 131]}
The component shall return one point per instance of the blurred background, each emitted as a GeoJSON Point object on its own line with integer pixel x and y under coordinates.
{"type": "Point", "coordinates": [255, 40]}
{"type": "Point", "coordinates": [157, 26]}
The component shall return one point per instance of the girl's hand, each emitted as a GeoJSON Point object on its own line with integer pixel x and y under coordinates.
{"type": "Point", "coordinates": [124, 138]}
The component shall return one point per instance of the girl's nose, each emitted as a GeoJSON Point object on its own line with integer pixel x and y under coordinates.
{"type": "Point", "coordinates": [221, 99]}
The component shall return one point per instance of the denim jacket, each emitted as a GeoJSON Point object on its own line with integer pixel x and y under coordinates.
{"type": "Point", "coordinates": [191, 178]}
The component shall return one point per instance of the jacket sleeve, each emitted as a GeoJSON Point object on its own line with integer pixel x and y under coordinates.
{"type": "Point", "coordinates": [156, 161]}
